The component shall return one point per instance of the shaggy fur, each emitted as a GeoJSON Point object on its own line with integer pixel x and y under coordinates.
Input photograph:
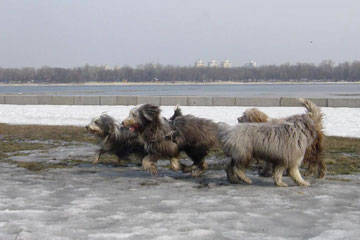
{"type": "Point", "coordinates": [253, 115]}
{"type": "Point", "coordinates": [114, 139]}
{"type": "Point", "coordinates": [314, 153]}
{"type": "Point", "coordinates": [283, 145]}
{"type": "Point", "coordinates": [166, 139]}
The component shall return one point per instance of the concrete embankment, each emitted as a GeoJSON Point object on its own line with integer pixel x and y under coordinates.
{"type": "Point", "coordinates": [172, 100]}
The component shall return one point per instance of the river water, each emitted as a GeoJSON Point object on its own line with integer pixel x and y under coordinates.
{"type": "Point", "coordinates": [323, 90]}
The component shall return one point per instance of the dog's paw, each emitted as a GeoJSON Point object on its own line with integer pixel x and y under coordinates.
{"type": "Point", "coordinates": [235, 181]}
{"type": "Point", "coordinates": [153, 170]}
{"type": "Point", "coordinates": [197, 173]}
{"type": "Point", "coordinates": [281, 184]}
{"type": "Point", "coordinates": [151, 167]}
{"type": "Point", "coordinates": [247, 180]}
{"type": "Point", "coordinates": [321, 175]}
{"type": "Point", "coordinates": [186, 168]}
{"type": "Point", "coordinates": [304, 184]}
{"type": "Point", "coordinates": [175, 165]}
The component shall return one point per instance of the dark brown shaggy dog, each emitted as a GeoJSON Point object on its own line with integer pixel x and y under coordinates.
{"type": "Point", "coordinates": [115, 139]}
{"type": "Point", "coordinates": [166, 139]}
{"type": "Point", "coordinates": [313, 155]}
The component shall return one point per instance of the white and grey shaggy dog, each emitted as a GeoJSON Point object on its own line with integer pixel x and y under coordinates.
{"type": "Point", "coordinates": [283, 144]}
{"type": "Point", "coordinates": [115, 139]}
{"type": "Point", "coordinates": [314, 153]}
{"type": "Point", "coordinates": [166, 139]}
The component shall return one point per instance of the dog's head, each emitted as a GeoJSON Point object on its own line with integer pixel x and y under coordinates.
{"type": "Point", "coordinates": [253, 115]}
{"type": "Point", "coordinates": [102, 126]}
{"type": "Point", "coordinates": [141, 116]}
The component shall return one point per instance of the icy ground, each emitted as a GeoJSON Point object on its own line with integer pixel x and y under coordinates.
{"type": "Point", "coordinates": [337, 121]}
{"type": "Point", "coordinates": [98, 202]}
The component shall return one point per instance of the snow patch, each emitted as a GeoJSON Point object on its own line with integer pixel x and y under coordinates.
{"type": "Point", "coordinates": [337, 121]}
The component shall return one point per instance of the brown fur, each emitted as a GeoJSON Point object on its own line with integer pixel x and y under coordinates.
{"type": "Point", "coordinates": [314, 153]}
{"type": "Point", "coordinates": [166, 139]}
{"type": "Point", "coordinates": [253, 115]}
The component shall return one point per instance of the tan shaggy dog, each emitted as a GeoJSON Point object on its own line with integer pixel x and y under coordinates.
{"type": "Point", "coordinates": [282, 144]}
{"type": "Point", "coordinates": [314, 153]}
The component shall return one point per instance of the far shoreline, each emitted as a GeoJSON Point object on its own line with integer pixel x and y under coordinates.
{"type": "Point", "coordinates": [171, 83]}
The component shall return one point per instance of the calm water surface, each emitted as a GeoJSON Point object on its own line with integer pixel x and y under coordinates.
{"type": "Point", "coordinates": [238, 90]}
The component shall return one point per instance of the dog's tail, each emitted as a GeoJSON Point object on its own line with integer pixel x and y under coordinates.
{"type": "Point", "coordinates": [177, 113]}
{"type": "Point", "coordinates": [313, 111]}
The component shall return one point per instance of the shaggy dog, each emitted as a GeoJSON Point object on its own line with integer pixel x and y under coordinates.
{"type": "Point", "coordinates": [166, 139]}
{"type": "Point", "coordinates": [282, 144]}
{"type": "Point", "coordinates": [313, 156]}
{"type": "Point", "coordinates": [114, 139]}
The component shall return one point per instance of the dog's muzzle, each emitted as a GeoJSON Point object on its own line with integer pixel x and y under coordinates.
{"type": "Point", "coordinates": [89, 129]}
{"type": "Point", "coordinates": [130, 123]}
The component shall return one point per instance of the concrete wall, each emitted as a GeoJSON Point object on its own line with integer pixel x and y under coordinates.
{"type": "Point", "coordinates": [292, 102]}
{"type": "Point", "coordinates": [23, 100]}
{"type": "Point", "coordinates": [171, 101]}
{"type": "Point", "coordinates": [344, 103]}
{"type": "Point", "coordinates": [258, 102]}
{"type": "Point", "coordinates": [86, 100]}
{"type": "Point", "coordinates": [200, 101]}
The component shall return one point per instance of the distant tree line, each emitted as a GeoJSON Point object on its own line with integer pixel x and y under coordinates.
{"type": "Point", "coordinates": [325, 71]}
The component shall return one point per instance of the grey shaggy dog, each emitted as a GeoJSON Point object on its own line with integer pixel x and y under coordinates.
{"type": "Point", "coordinates": [115, 139]}
{"type": "Point", "coordinates": [282, 144]}
{"type": "Point", "coordinates": [166, 139]}
{"type": "Point", "coordinates": [314, 153]}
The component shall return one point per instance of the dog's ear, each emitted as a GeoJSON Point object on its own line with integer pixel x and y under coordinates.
{"type": "Point", "coordinates": [107, 122]}
{"type": "Point", "coordinates": [150, 112]}
{"type": "Point", "coordinates": [177, 113]}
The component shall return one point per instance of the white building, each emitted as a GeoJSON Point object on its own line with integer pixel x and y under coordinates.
{"type": "Point", "coordinates": [107, 67]}
{"type": "Point", "coordinates": [199, 63]}
{"type": "Point", "coordinates": [213, 63]}
{"type": "Point", "coordinates": [252, 64]}
{"type": "Point", "coordinates": [226, 63]}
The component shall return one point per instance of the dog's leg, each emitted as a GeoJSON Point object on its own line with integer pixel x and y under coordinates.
{"type": "Point", "coordinates": [311, 168]}
{"type": "Point", "coordinates": [240, 172]}
{"type": "Point", "coordinates": [175, 164]}
{"type": "Point", "coordinates": [202, 167]}
{"type": "Point", "coordinates": [296, 177]}
{"type": "Point", "coordinates": [97, 155]}
{"type": "Point", "coordinates": [149, 164]}
{"type": "Point", "coordinates": [321, 168]}
{"type": "Point", "coordinates": [230, 174]}
{"type": "Point", "coordinates": [199, 166]}
{"type": "Point", "coordinates": [278, 173]}
{"type": "Point", "coordinates": [266, 171]}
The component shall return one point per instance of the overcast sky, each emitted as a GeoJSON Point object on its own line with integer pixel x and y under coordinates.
{"type": "Point", "coordinates": [68, 33]}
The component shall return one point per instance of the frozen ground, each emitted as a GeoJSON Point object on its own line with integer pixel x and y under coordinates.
{"type": "Point", "coordinates": [88, 202]}
{"type": "Point", "coordinates": [337, 121]}
{"type": "Point", "coordinates": [100, 202]}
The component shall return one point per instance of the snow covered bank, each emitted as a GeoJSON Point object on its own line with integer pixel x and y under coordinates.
{"type": "Point", "coordinates": [338, 121]}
